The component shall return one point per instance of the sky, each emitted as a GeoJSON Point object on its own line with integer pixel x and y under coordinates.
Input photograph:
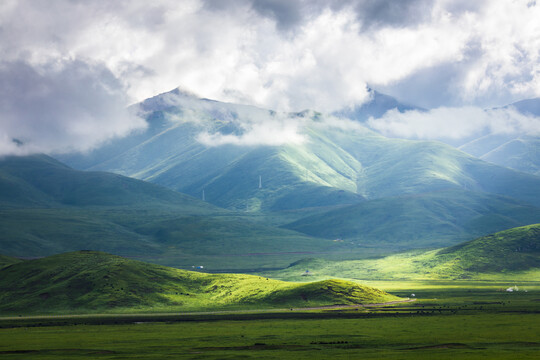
{"type": "Point", "coordinates": [70, 68]}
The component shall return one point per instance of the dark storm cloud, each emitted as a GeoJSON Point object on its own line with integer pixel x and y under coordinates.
{"type": "Point", "coordinates": [60, 107]}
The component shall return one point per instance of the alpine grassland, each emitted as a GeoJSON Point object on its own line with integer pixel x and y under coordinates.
{"type": "Point", "coordinates": [88, 281]}
{"type": "Point", "coordinates": [512, 254]}
{"type": "Point", "coordinates": [449, 320]}
{"type": "Point", "coordinates": [88, 305]}
{"type": "Point", "coordinates": [359, 246]}
{"type": "Point", "coordinates": [48, 208]}
{"type": "Point", "coordinates": [7, 260]}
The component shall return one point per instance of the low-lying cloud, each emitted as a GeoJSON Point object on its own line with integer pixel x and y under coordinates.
{"type": "Point", "coordinates": [60, 107]}
{"type": "Point", "coordinates": [455, 123]}
{"type": "Point", "coordinates": [274, 133]}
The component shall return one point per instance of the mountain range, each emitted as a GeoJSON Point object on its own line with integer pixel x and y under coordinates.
{"type": "Point", "coordinates": [239, 187]}
{"type": "Point", "coordinates": [48, 208]}
{"type": "Point", "coordinates": [342, 161]}
{"type": "Point", "coordinates": [518, 151]}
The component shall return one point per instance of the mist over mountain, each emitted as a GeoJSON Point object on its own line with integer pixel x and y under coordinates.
{"type": "Point", "coordinates": [516, 151]}
{"type": "Point", "coordinates": [320, 175]}
{"type": "Point", "coordinates": [229, 151]}
{"type": "Point", "coordinates": [508, 136]}
{"type": "Point", "coordinates": [376, 106]}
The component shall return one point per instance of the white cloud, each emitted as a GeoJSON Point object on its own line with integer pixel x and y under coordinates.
{"type": "Point", "coordinates": [286, 55]}
{"type": "Point", "coordinates": [265, 134]}
{"type": "Point", "coordinates": [324, 63]}
{"type": "Point", "coordinates": [455, 123]}
{"type": "Point", "coordinates": [61, 107]}
{"type": "Point", "coordinates": [253, 127]}
{"type": "Point", "coordinates": [507, 35]}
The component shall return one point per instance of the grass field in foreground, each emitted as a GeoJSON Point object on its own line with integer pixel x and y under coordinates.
{"type": "Point", "coordinates": [452, 320]}
{"type": "Point", "coordinates": [437, 337]}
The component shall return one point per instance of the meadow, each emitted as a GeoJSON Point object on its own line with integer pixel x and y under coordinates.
{"type": "Point", "coordinates": [449, 320]}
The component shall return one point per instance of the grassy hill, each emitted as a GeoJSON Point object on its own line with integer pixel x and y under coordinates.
{"type": "Point", "coordinates": [47, 208]}
{"type": "Point", "coordinates": [41, 181]}
{"type": "Point", "coordinates": [88, 281]}
{"type": "Point", "coordinates": [510, 255]}
{"type": "Point", "coordinates": [421, 220]}
{"type": "Point", "coordinates": [7, 260]}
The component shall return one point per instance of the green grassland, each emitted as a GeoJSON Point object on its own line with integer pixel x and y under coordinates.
{"type": "Point", "coordinates": [89, 281]}
{"type": "Point", "coordinates": [160, 235]}
{"type": "Point", "coordinates": [48, 208]}
{"type": "Point", "coordinates": [512, 254]}
{"type": "Point", "coordinates": [431, 219]}
{"type": "Point", "coordinates": [7, 260]}
{"type": "Point", "coordinates": [450, 320]}
{"type": "Point", "coordinates": [138, 310]}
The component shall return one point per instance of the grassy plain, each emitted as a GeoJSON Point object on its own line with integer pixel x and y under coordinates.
{"type": "Point", "coordinates": [512, 254]}
{"type": "Point", "coordinates": [449, 320]}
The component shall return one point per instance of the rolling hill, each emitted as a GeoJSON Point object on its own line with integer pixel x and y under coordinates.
{"type": "Point", "coordinates": [7, 260]}
{"type": "Point", "coordinates": [88, 281]}
{"type": "Point", "coordinates": [512, 254]}
{"type": "Point", "coordinates": [48, 208]}
{"type": "Point", "coordinates": [41, 181]}
{"type": "Point", "coordinates": [419, 220]}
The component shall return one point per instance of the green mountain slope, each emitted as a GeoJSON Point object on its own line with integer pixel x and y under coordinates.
{"type": "Point", "coordinates": [512, 254]}
{"type": "Point", "coordinates": [421, 220]}
{"type": "Point", "coordinates": [59, 209]}
{"type": "Point", "coordinates": [517, 151]}
{"type": "Point", "coordinates": [339, 162]}
{"type": "Point", "coordinates": [93, 281]}
{"type": "Point", "coordinates": [522, 154]}
{"type": "Point", "coordinates": [510, 250]}
{"type": "Point", "coordinates": [40, 180]}
{"type": "Point", "coordinates": [7, 260]}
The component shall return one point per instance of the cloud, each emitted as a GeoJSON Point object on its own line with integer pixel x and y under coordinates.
{"type": "Point", "coordinates": [455, 123]}
{"type": "Point", "coordinates": [286, 55]}
{"type": "Point", "coordinates": [289, 14]}
{"type": "Point", "coordinates": [59, 107]}
{"type": "Point", "coordinates": [250, 126]}
{"type": "Point", "coordinates": [270, 133]}
{"type": "Point", "coordinates": [239, 51]}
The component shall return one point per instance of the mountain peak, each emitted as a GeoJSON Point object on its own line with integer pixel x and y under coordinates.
{"type": "Point", "coordinates": [376, 107]}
